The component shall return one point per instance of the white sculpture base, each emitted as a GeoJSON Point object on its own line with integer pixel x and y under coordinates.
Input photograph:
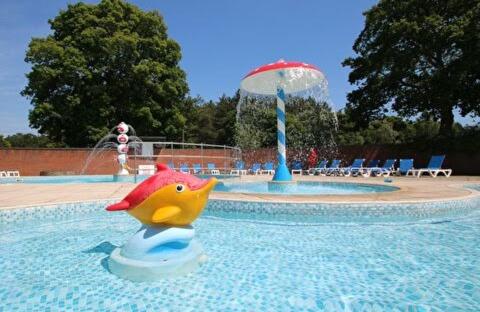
{"type": "Point", "coordinates": [123, 171]}
{"type": "Point", "coordinates": [154, 253]}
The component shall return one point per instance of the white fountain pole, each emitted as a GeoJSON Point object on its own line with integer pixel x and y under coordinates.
{"type": "Point", "coordinates": [282, 174]}
{"type": "Point", "coordinates": [122, 148]}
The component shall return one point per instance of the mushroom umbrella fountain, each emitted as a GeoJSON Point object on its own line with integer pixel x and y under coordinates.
{"type": "Point", "coordinates": [279, 79]}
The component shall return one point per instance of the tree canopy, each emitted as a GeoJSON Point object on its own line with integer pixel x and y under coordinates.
{"type": "Point", "coordinates": [417, 57]}
{"type": "Point", "coordinates": [308, 123]}
{"type": "Point", "coordinates": [103, 64]}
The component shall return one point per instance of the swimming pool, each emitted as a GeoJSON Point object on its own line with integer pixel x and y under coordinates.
{"type": "Point", "coordinates": [297, 188]}
{"type": "Point", "coordinates": [302, 188]}
{"type": "Point", "coordinates": [56, 257]}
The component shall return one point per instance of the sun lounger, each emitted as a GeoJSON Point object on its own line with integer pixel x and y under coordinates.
{"type": "Point", "coordinates": [268, 168]}
{"type": "Point", "coordinates": [212, 169]}
{"type": "Point", "coordinates": [184, 168]}
{"type": "Point", "coordinates": [386, 170]}
{"type": "Point", "coordinates": [434, 167]}
{"type": "Point", "coordinates": [297, 167]}
{"type": "Point", "coordinates": [255, 169]}
{"type": "Point", "coordinates": [146, 169]}
{"type": "Point", "coordinates": [239, 168]}
{"type": "Point", "coordinates": [13, 174]}
{"type": "Point", "coordinates": [333, 169]}
{"type": "Point", "coordinates": [197, 169]}
{"type": "Point", "coordinates": [321, 166]}
{"type": "Point", "coordinates": [405, 167]}
{"type": "Point", "coordinates": [355, 169]}
{"type": "Point", "coordinates": [3, 174]}
{"type": "Point", "coordinates": [171, 165]}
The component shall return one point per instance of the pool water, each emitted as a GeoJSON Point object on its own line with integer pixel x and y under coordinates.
{"type": "Point", "coordinates": [60, 264]}
{"type": "Point", "coordinates": [302, 188]}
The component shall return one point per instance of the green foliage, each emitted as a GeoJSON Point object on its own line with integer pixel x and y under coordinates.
{"type": "Point", "coordinates": [103, 64]}
{"type": "Point", "coordinates": [394, 130]}
{"type": "Point", "coordinates": [4, 142]}
{"type": "Point", "coordinates": [417, 57]}
{"type": "Point", "coordinates": [26, 140]}
{"type": "Point", "coordinates": [211, 122]}
{"type": "Point", "coordinates": [308, 124]}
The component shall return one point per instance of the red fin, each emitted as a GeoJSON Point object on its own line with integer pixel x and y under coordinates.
{"type": "Point", "coordinates": [162, 167]}
{"type": "Point", "coordinates": [123, 205]}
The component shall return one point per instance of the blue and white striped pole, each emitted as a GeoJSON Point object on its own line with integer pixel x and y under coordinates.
{"type": "Point", "coordinates": [282, 174]}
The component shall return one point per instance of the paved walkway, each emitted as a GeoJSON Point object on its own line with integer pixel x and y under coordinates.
{"type": "Point", "coordinates": [411, 189]}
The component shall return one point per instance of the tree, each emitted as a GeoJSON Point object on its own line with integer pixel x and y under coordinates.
{"type": "Point", "coordinates": [29, 140]}
{"type": "Point", "coordinates": [4, 142]}
{"type": "Point", "coordinates": [225, 115]}
{"type": "Point", "coordinates": [308, 124]}
{"type": "Point", "coordinates": [104, 64]}
{"type": "Point", "coordinates": [417, 57]}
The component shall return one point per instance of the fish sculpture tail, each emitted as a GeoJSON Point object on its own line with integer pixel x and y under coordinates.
{"type": "Point", "coordinates": [122, 205]}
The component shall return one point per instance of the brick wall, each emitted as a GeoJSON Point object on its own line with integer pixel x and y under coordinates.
{"type": "Point", "coordinates": [31, 162]}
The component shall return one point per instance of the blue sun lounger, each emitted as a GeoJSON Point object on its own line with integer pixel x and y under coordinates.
{"type": "Point", "coordinates": [197, 168]}
{"type": "Point", "coordinates": [255, 169]}
{"type": "Point", "coordinates": [372, 164]}
{"type": "Point", "coordinates": [333, 169]}
{"type": "Point", "coordinates": [297, 167]}
{"type": "Point", "coordinates": [405, 167]}
{"type": "Point", "coordinates": [321, 167]}
{"type": "Point", "coordinates": [386, 170]}
{"type": "Point", "coordinates": [434, 167]}
{"type": "Point", "coordinates": [354, 169]}
{"type": "Point", "coordinates": [268, 168]}
{"type": "Point", "coordinates": [239, 168]}
{"type": "Point", "coordinates": [212, 169]}
{"type": "Point", "coordinates": [184, 168]}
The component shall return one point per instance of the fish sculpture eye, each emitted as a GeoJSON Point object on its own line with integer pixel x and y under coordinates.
{"type": "Point", "coordinates": [180, 188]}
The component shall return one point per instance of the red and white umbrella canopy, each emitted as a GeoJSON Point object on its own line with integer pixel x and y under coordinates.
{"type": "Point", "coordinates": [290, 76]}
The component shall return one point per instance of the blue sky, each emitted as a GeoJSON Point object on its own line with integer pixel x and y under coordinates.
{"type": "Point", "coordinates": [221, 41]}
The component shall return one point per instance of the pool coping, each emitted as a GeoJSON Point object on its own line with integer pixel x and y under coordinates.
{"type": "Point", "coordinates": [411, 190]}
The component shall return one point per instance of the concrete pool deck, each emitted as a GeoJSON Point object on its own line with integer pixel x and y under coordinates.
{"type": "Point", "coordinates": [410, 190]}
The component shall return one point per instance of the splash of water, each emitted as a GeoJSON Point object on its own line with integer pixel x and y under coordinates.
{"type": "Point", "coordinates": [311, 122]}
{"type": "Point", "coordinates": [109, 142]}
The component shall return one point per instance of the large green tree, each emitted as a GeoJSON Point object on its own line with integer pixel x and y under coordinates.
{"type": "Point", "coordinates": [103, 64]}
{"type": "Point", "coordinates": [417, 57]}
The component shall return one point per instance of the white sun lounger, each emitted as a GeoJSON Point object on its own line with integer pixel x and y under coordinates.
{"type": "Point", "coordinates": [146, 169]}
{"type": "Point", "coordinates": [13, 174]}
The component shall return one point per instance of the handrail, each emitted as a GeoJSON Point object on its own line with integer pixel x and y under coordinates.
{"type": "Point", "coordinates": [195, 144]}
{"type": "Point", "coordinates": [227, 159]}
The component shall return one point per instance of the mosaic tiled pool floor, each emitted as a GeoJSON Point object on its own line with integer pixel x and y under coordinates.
{"type": "Point", "coordinates": [60, 265]}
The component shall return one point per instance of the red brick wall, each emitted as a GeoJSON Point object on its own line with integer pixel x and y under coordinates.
{"type": "Point", "coordinates": [31, 162]}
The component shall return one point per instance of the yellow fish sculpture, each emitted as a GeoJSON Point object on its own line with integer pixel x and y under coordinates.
{"type": "Point", "coordinates": [167, 198]}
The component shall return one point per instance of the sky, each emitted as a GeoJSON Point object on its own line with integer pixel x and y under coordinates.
{"type": "Point", "coordinates": [221, 41]}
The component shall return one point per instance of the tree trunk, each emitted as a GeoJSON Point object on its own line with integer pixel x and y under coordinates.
{"type": "Point", "coordinates": [446, 121]}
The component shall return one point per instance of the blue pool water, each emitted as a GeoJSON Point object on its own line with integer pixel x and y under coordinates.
{"type": "Point", "coordinates": [299, 188]}
{"type": "Point", "coordinates": [302, 188]}
{"type": "Point", "coordinates": [253, 265]}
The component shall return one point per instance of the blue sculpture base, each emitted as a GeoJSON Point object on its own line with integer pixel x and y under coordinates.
{"type": "Point", "coordinates": [282, 174]}
{"type": "Point", "coordinates": [154, 253]}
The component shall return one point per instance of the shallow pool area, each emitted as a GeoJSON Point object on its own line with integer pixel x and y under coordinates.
{"type": "Point", "coordinates": [56, 257]}
{"type": "Point", "coordinates": [302, 188]}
